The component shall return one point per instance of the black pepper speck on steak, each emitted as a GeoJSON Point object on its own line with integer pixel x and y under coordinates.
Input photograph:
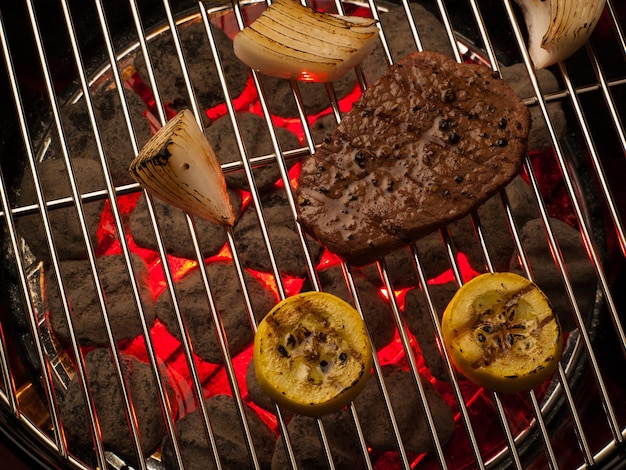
{"type": "Point", "coordinates": [64, 221]}
{"type": "Point", "coordinates": [426, 144]}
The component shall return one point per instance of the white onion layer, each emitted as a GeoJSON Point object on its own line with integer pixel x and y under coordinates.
{"type": "Point", "coordinates": [179, 166]}
{"type": "Point", "coordinates": [292, 41]}
{"type": "Point", "coordinates": [558, 28]}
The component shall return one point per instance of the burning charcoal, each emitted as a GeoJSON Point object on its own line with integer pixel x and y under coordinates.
{"type": "Point", "coordinates": [230, 441]}
{"type": "Point", "coordinates": [229, 301]}
{"type": "Point", "coordinates": [86, 313]}
{"type": "Point", "coordinates": [259, 397]}
{"type": "Point", "coordinates": [308, 450]}
{"type": "Point", "coordinates": [66, 231]}
{"type": "Point", "coordinates": [114, 132]}
{"type": "Point", "coordinates": [546, 274]}
{"type": "Point", "coordinates": [258, 143]}
{"type": "Point", "coordinates": [285, 240]}
{"type": "Point", "coordinates": [256, 394]}
{"type": "Point", "coordinates": [418, 320]}
{"type": "Point", "coordinates": [400, 39]}
{"type": "Point", "coordinates": [376, 309]}
{"type": "Point", "coordinates": [112, 129]}
{"type": "Point", "coordinates": [494, 226]}
{"type": "Point", "coordinates": [315, 98]}
{"type": "Point", "coordinates": [199, 63]}
{"type": "Point", "coordinates": [517, 77]}
{"type": "Point", "coordinates": [108, 401]}
{"type": "Point", "coordinates": [402, 274]}
{"type": "Point", "coordinates": [407, 407]}
{"type": "Point", "coordinates": [174, 230]}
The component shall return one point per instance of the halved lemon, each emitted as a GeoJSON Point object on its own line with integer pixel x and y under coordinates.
{"type": "Point", "coordinates": [501, 333]}
{"type": "Point", "coordinates": [312, 353]}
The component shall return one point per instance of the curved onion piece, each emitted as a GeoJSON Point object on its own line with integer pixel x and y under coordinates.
{"type": "Point", "coordinates": [179, 166]}
{"type": "Point", "coordinates": [292, 41]}
{"type": "Point", "coordinates": [558, 28]}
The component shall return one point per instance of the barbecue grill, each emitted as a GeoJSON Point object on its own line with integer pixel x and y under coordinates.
{"type": "Point", "coordinates": [69, 55]}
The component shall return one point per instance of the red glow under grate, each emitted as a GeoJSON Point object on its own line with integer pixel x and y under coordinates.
{"type": "Point", "coordinates": [214, 378]}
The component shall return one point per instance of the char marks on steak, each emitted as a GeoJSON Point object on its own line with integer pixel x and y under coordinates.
{"type": "Point", "coordinates": [426, 144]}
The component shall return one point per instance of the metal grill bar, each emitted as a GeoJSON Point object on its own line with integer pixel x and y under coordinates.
{"type": "Point", "coordinates": [512, 448]}
{"type": "Point", "coordinates": [80, 369]}
{"type": "Point", "coordinates": [46, 377]}
{"type": "Point", "coordinates": [592, 249]}
{"type": "Point", "coordinates": [152, 357]}
{"type": "Point", "coordinates": [180, 323]}
{"type": "Point", "coordinates": [580, 433]}
{"type": "Point", "coordinates": [256, 199]}
{"type": "Point", "coordinates": [205, 280]}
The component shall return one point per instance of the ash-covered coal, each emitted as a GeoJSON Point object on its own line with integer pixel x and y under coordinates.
{"type": "Point", "coordinates": [376, 309]}
{"type": "Point", "coordinates": [283, 233]}
{"type": "Point", "coordinates": [108, 401]}
{"type": "Point", "coordinates": [409, 414]}
{"type": "Point", "coordinates": [228, 294]}
{"type": "Point", "coordinates": [111, 129]}
{"type": "Point", "coordinates": [517, 77]}
{"type": "Point", "coordinates": [174, 230]}
{"type": "Point", "coordinates": [307, 447]}
{"type": "Point", "coordinates": [315, 98]}
{"type": "Point", "coordinates": [65, 223]}
{"type": "Point", "coordinates": [199, 63]}
{"type": "Point", "coordinates": [85, 309]}
{"type": "Point", "coordinates": [231, 447]}
{"type": "Point", "coordinates": [395, 25]}
{"type": "Point", "coordinates": [257, 141]}
{"type": "Point", "coordinates": [418, 320]}
{"type": "Point", "coordinates": [547, 275]}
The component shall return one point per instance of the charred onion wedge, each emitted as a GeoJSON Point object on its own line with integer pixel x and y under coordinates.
{"type": "Point", "coordinates": [558, 28]}
{"type": "Point", "coordinates": [179, 166]}
{"type": "Point", "coordinates": [501, 333]}
{"type": "Point", "coordinates": [312, 353]}
{"type": "Point", "coordinates": [292, 41]}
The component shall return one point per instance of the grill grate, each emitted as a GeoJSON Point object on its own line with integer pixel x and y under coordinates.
{"type": "Point", "coordinates": [584, 402]}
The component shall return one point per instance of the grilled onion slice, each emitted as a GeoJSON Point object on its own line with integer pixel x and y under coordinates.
{"type": "Point", "coordinates": [179, 166]}
{"type": "Point", "coordinates": [312, 353]}
{"type": "Point", "coordinates": [292, 41]}
{"type": "Point", "coordinates": [501, 333]}
{"type": "Point", "coordinates": [558, 28]}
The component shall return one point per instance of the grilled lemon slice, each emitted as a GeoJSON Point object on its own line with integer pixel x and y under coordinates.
{"type": "Point", "coordinates": [501, 333]}
{"type": "Point", "coordinates": [312, 353]}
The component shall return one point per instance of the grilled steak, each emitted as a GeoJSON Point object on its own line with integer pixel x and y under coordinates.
{"type": "Point", "coordinates": [426, 144]}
